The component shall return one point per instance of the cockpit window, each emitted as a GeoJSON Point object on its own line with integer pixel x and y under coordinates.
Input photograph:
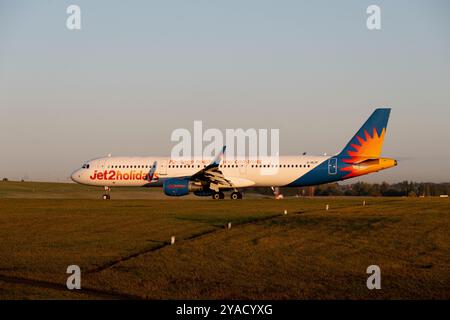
{"type": "Point", "coordinates": [85, 166]}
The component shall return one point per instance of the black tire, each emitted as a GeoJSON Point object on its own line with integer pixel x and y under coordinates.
{"type": "Point", "coordinates": [236, 196]}
{"type": "Point", "coordinates": [105, 197]}
{"type": "Point", "coordinates": [216, 195]}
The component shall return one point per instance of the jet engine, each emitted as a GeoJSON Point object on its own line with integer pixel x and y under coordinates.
{"type": "Point", "coordinates": [176, 187]}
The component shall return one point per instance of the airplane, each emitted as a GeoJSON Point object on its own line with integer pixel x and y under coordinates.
{"type": "Point", "coordinates": [203, 177]}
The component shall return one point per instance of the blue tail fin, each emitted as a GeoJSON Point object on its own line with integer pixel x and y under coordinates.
{"type": "Point", "coordinates": [368, 141]}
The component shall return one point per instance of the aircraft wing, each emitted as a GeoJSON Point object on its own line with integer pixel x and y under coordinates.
{"type": "Point", "coordinates": [212, 175]}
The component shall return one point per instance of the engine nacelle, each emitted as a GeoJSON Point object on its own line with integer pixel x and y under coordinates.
{"type": "Point", "coordinates": [176, 187]}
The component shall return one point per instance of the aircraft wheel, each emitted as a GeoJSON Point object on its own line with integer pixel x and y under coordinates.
{"type": "Point", "coordinates": [106, 195]}
{"type": "Point", "coordinates": [218, 195]}
{"type": "Point", "coordinates": [236, 195]}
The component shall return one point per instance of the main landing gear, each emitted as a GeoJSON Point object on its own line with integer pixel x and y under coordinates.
{"type": "Point", "coordinates": [220, 195]}
{"type": "Point", "coordinates": [106, 195]}
{"type": "Point", "coordinates": [236, 195]}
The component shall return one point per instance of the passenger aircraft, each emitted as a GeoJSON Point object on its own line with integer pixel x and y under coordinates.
{"type": "Point", "coordinates": [361, 156]}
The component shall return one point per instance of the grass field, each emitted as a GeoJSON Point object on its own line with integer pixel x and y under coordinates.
{"type": "Point", "coordinates": [122, 246]}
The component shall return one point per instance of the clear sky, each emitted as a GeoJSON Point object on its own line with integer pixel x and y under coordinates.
{"type": "Point", "coordinates": [137, 70]}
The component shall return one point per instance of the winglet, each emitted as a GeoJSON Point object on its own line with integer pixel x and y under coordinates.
{"type": "Point", "coordinates": [218, 158]}
{"type": "Point", "coordinates": [151, 173]}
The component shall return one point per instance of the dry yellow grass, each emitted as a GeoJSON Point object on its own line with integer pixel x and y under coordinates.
{"type": "Point", "coordinates": [122, 246]}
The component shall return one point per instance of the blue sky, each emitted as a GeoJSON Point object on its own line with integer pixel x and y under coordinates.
{"type": "Point", "coordinates": [138, 70]}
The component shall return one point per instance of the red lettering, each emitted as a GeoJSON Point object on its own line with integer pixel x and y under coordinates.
{"type": "Point", "coordinates": [112, 175]}
{"type": "Point", "coordinates": [94, 176]}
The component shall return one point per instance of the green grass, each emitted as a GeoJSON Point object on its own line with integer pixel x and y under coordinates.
{"type": "Point", "coordinates": [122, 246]}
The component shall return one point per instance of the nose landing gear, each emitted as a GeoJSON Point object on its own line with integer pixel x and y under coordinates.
{"type": "Point", "coordinates": [106, 195]}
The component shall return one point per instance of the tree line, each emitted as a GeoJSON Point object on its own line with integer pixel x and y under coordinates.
{"type": "Point", "coordinates": [399, 189]}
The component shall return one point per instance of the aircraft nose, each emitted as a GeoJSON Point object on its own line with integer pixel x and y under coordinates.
{"type": "Point", "coordinates": [75, 176]}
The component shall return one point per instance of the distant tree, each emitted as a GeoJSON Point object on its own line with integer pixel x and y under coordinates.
{"type": "Point", "coordinates": [400, 189]}
{"type": "Point", "coordinates": [384, 187]}
{"type": "Point", "coordinates": [330, 189]}
{"type": "Point", "coordinates": [412, 194]}
{"type": "Point", "coordinates": [391, 192]}
{"type": "Point", "coordinates": [362, 189]}
{"type": "Point", "coordinates": [5, 179]}
{"type": "Point", "coordinates": [350, 192]}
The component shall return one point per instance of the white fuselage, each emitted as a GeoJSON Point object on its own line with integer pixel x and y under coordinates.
{"type": "Point", "coordinates": [151, 171]}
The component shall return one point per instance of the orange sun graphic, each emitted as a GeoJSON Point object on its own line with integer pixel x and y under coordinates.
{"type": "Point", "coordinates": [368, 148]}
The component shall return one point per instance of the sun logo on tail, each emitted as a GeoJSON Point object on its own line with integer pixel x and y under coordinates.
{"type": "Point", "coordinates": [368, 147]}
